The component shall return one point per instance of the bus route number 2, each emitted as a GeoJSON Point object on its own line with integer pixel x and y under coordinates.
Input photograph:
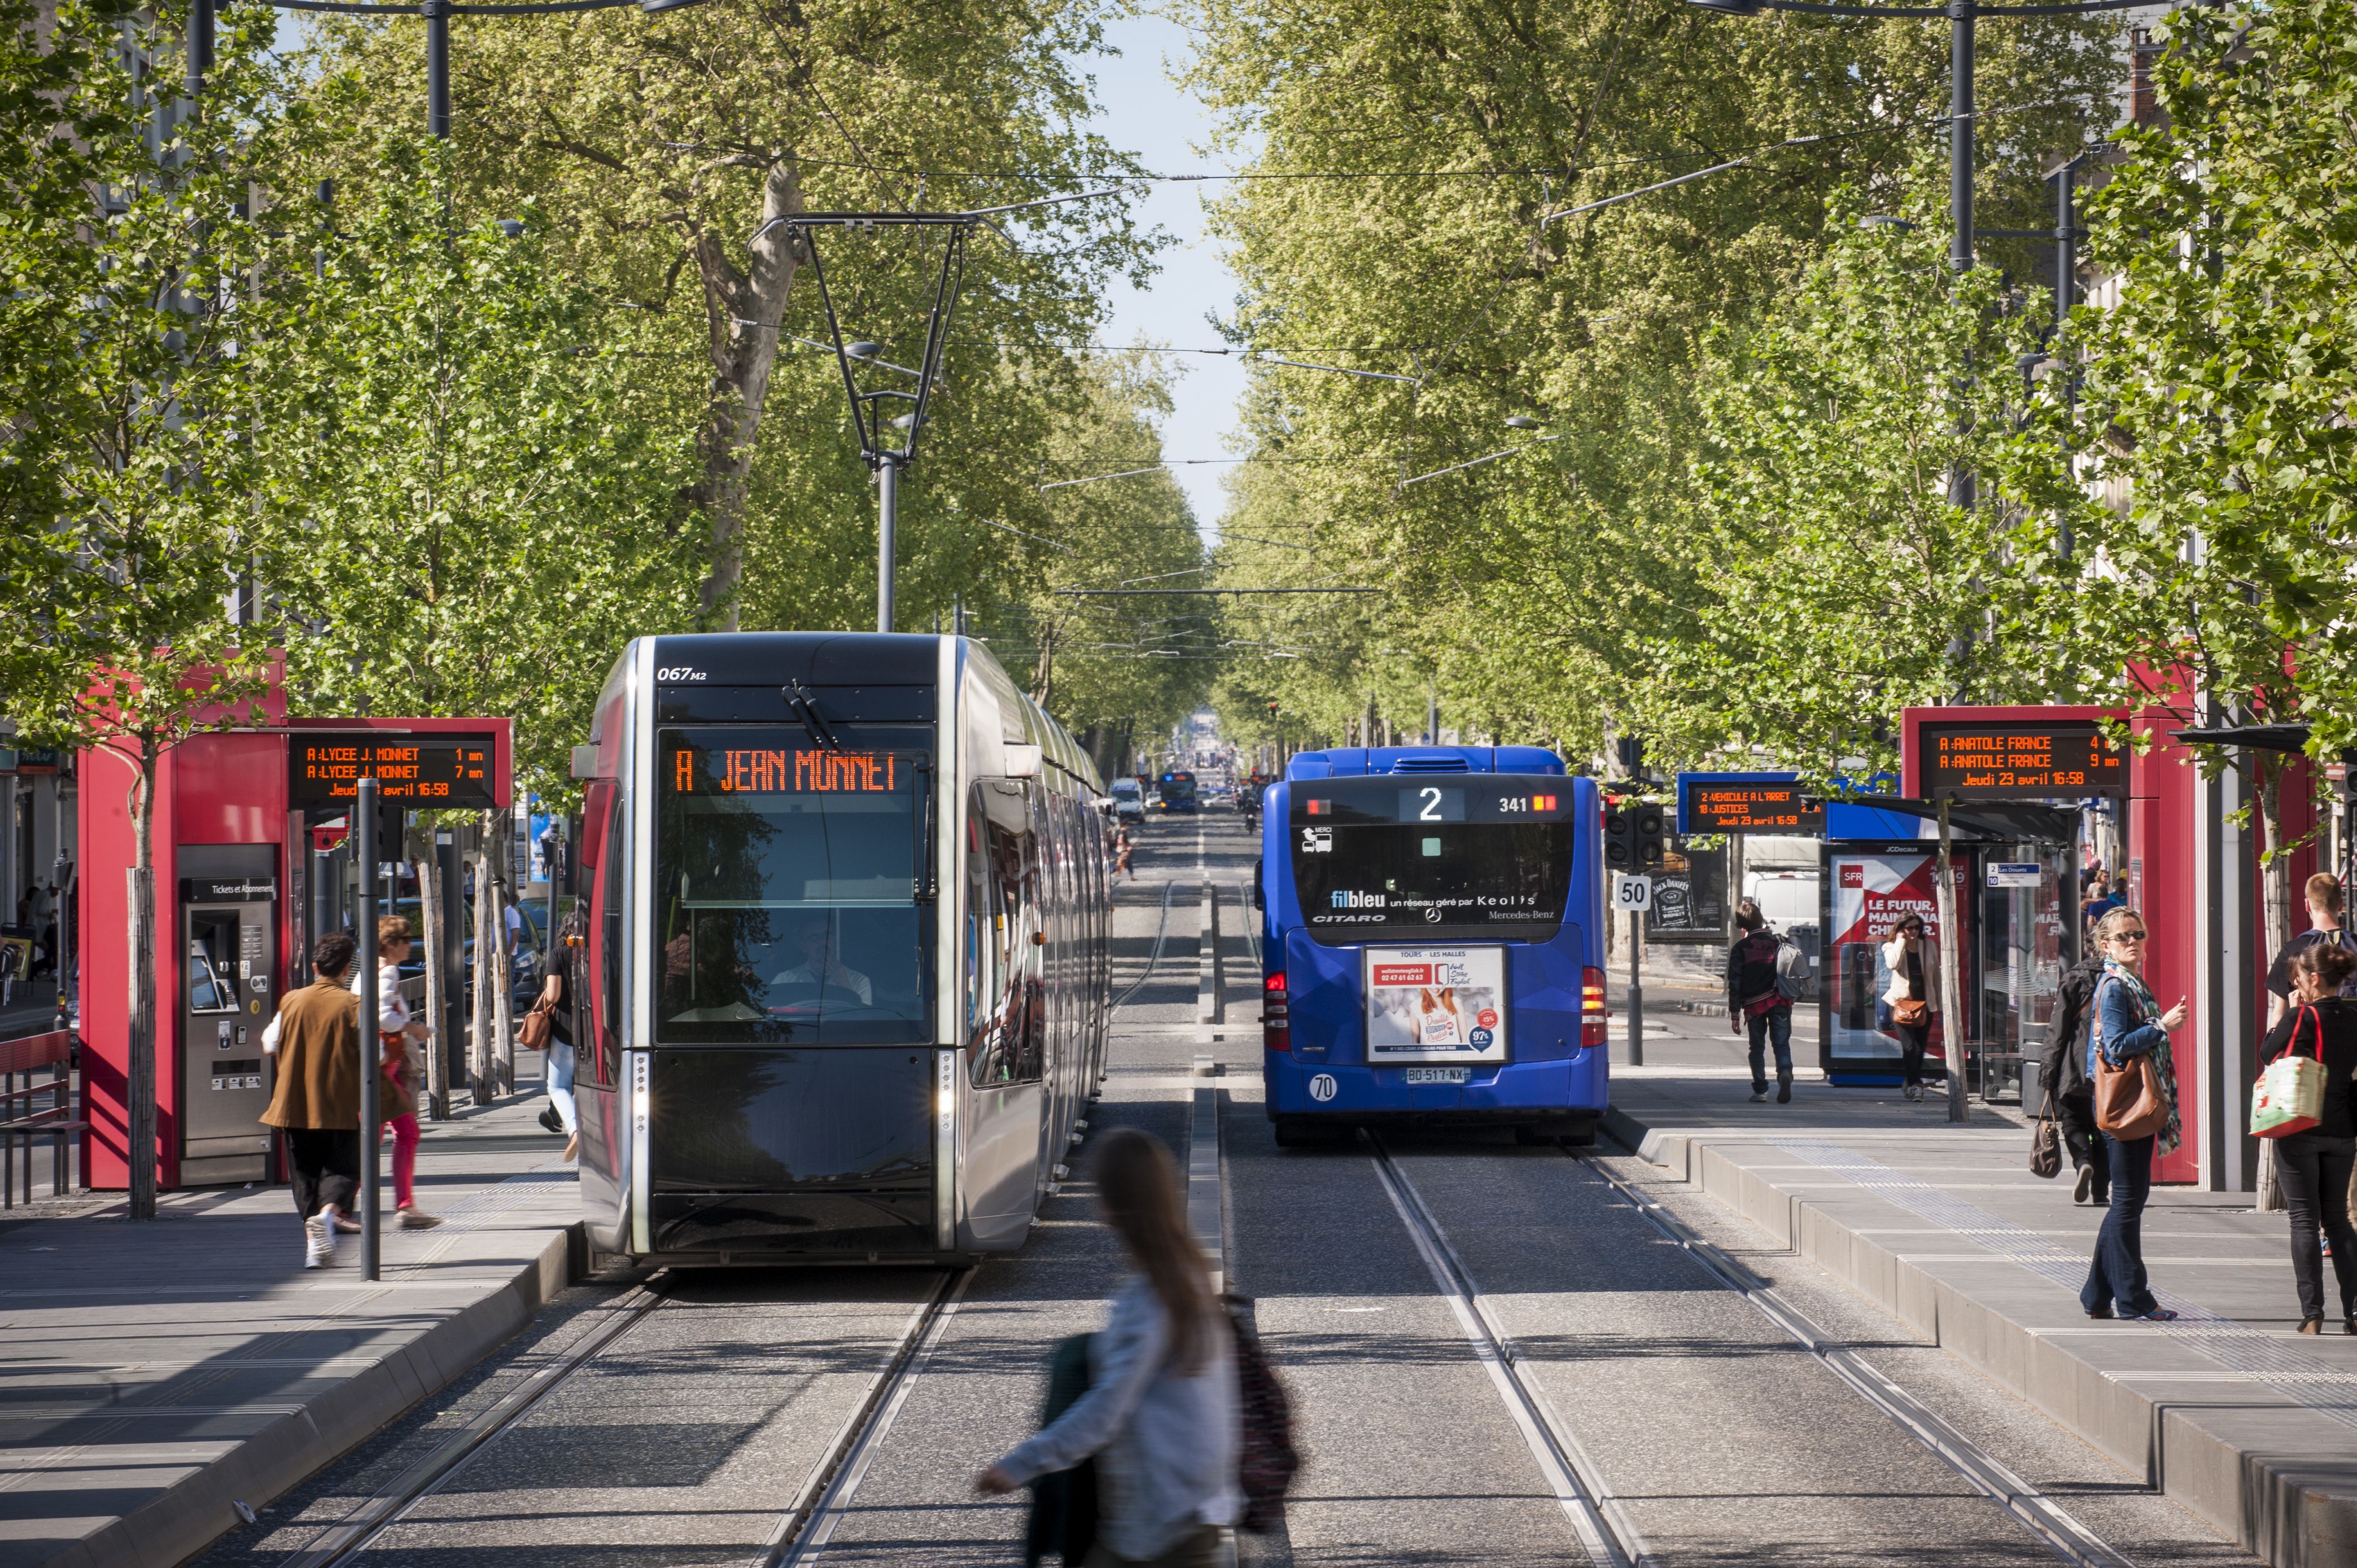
{"type": "Point", "coordinates": [1631, 893]}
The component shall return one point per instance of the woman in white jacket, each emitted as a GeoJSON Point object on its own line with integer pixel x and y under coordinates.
{"type": "Point", "coordinates": [1160, 1416]}
{"type": "Point", "coordinates": [1911, 1001]}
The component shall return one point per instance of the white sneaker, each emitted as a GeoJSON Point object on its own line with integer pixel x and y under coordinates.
{"type": "Point", "coordinates": [319, 1236]}
{"type": "Point", "coordinates": [416, 1219]}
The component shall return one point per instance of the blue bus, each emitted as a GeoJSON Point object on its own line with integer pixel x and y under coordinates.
{"type": "Point", "coordinates": [1176, 791]}
{"type": "Point", "coordinates": [1433, 942]}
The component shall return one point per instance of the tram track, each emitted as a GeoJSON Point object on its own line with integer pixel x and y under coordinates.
{"type": "Point", "coordinates": [805, 1525]}
{"type": "Point", "coordinates": [1598, 1519]}
{"type": "Point", "coordinates": [1153, 957]}
{"type": "Point", "coordinates": [2044, 1518]}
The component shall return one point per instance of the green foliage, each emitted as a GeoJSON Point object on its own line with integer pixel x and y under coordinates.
{"type": "Point", "coordinates": [1539, 589]}
{"type": "Point", "coordinates": [473, 491]}
{"type": "Point", "coordinates": [653, 147]}
{"type": "Point", "coordinates": [127, 470]}
{"type": "Point", "coordinates": [2210, 508]}
{"type": "Point", "coordinates": [1830, 580]}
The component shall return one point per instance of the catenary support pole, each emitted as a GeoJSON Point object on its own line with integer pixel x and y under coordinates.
{"type": "Point", "coordinates": [1636, 989]}
{"type": "Point", "coordinates": [438, 68]}
{"type": "Point", "coordinates": [365, 832]}
{"type": "Point", "coordinates": [1952, 1030]}
{"type": "Point", "coordinates": [887, 509]}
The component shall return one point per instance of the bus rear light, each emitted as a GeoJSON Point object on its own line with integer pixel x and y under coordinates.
{"type": "Point", "coordinates": [1276, 1017]}
{"type": "Point", "coordinates": [1592, 1030]}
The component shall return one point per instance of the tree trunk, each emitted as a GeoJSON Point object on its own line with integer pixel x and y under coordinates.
{"type": "Point", "coordinates": [1952, 1010]}
{"type": "Point", "coordinates": [743, 310]}
{"type": "Point", "coordinates": [140, 1058]}
{"type": "Point", "coordinates": [437, 1055]}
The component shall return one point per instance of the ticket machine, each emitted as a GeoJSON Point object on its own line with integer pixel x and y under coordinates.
{"type": "Point", "coordinates": [227, 994]}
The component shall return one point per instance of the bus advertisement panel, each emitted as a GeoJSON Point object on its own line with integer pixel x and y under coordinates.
{"type": "Point", "coordinates": [1436, 1004]}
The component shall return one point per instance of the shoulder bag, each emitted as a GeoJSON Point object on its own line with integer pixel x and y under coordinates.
{"type": "Point", "coordinates": [2290, 1095]}
{"type": "Point", "coordinates": [2046, 1145]}
{"type": "Point", "coordinates": [2129, 1103]}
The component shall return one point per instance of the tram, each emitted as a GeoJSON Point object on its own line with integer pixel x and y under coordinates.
{"type": "Point", "coordinates": [1433, 942]}
{"type": "Point", "coordinates": [844, 976]}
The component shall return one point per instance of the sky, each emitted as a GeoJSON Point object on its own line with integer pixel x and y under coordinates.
{"type": "Point", "coordinates": [1144, 112]}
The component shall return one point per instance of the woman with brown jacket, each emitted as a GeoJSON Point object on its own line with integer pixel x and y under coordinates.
{"type": "Point", "coordinates": [317, 1102]}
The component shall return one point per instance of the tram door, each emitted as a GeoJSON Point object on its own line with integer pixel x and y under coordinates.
{"type": "Point", "coordinates": [1004, 1013]}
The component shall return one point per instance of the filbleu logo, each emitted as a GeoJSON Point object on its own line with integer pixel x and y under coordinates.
{"type": "Point", "coordinates": [1345, 899]}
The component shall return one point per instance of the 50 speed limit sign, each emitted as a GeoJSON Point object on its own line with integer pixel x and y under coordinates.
{"type": "Point", "coordinates": [1634, 893]}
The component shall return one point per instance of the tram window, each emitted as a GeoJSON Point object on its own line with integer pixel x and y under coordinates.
{"type": "Point", "coordinates": [786, 888]}
{"type": "Point", "coordinates": [1006, 1037]}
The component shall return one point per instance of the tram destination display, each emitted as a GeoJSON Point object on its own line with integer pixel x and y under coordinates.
{"type": "Point", "coordinates": [2061, 759]}
{"type": "Point", "coordinates": [425, 770]}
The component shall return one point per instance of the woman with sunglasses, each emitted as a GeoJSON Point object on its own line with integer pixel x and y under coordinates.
{"type": "Point", "coordinates": [2128, 1024]}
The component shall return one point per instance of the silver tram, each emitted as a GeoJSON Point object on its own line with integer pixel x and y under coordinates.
{"type": "Point", "coordinates": [843, 979]}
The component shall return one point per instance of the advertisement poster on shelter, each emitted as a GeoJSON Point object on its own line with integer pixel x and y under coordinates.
{"type": "Point", "coordinates": [1689, 897]}
{"type": "Point", "coordinates": [1436, 1004]}
{"type": "Point", "coordinates": [1871, 894]}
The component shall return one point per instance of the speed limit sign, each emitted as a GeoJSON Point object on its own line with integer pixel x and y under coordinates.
{"type": "Point", "coordinates": [1632, 892]}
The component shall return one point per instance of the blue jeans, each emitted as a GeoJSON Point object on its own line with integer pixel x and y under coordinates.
{"type": "Point", "coordinates": [1775, 1025]}
{"type": "Point", "coordinates": [560, 1084]}
{"type": "Point", "coordinates": [2117, 1275]}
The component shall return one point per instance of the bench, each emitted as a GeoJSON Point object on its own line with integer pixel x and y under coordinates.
{"type": "Point", "coordinates": [22, 1122]}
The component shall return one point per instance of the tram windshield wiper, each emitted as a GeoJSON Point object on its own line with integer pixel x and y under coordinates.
{"type": "Point", "coordinates": [804, 707]}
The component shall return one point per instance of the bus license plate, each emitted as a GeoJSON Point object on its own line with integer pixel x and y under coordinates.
{"type": "Point", "coordinates": [1439, 1074]}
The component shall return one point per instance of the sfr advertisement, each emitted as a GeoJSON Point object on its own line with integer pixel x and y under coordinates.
{"type": "Point", "coordinates": [1436, 1004]}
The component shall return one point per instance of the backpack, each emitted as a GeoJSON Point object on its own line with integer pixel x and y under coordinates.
{"type": "Point", "coordinates": [1265, 1459]}
{"type": "Point", "coordinates": [1792, 968]}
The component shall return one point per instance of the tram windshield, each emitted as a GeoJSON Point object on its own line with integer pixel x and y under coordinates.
{"type": "Point", "coordinates": [1401, 858]}
{"type": "Point", "coordinates": [786, 878]}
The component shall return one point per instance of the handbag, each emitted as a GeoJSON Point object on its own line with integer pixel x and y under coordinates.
{"type": "Point", "coordinates": [2046, 1145]}
{"type": "Point", "coordinates": [2129, 1103]}
{"type": "Point", "coordinates": [532, 1032]}
{"type": "Point", "coordinates": [2290, 1095]}
{"type": "Point", "coordinates": [1912, 1013]}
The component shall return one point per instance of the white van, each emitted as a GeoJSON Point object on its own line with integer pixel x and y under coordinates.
{"type": "Point", "coordinates": [1789, 898]}
{"type": "Point", "coordinates": [1128, 800]}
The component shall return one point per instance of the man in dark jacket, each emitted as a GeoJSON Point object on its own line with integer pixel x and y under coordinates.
{"type": "Point", "coordinates": [2063, 1073]}
{"type": "Point", "coordinates": [1753, 1001]}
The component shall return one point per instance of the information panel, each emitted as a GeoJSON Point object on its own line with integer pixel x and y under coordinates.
{"type": "Point", "coordinates": [2063, 759]}
{"type": "Point", "coordinates": [423, 771]}
{"type": "Point", "coordinates": [1713, 806]}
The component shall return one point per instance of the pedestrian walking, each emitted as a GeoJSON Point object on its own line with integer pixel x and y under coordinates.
{"type": "Point", "coordinates": [317, 1103]}
{"type": "Point", "coordinates": [1125, 851]}
{"type": "Point", "coordinates": [1160, 1417]}
{"type": "Point", "coordinates": [2129, 1023]}
{"type": "Point", "coordinates": [1908, 1002]}
{"type": "Point", "coordinates": [2324, 929]}
{"type": "Point", "coordinates": [1756, 1003]}
{"type": "Point", "coordinates": [403, 1038]}
{"type": "Point", "coordinates": [2101, 901]}
{"type": "Point", "coordinates": [2313, 1167]}
{"type": "Point", "coordinates": [562, 1112]}
{"type": "Point", "coordinates": [2069, 1094]}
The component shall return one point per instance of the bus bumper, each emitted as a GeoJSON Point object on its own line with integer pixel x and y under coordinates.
{"type": "Point", "coordinates": [1506, 1093]}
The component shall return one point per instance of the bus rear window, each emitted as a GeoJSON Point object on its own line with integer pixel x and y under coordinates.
{"type": "Point", "coordinates": [1475, 855]}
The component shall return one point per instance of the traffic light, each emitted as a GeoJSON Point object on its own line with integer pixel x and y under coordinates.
{"type": "Point", "coordinates": [1271, 707]}
{"type": "Point", "coordinates": [1634, 838]}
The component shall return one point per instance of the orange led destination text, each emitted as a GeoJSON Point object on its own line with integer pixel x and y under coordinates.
{"type": "Point", "coordinates": [804, 772]}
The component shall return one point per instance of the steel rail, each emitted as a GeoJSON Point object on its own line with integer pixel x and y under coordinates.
{"type": "Point", "coordinates": [344, 1539]}
{"type": "Point", "coordinates": [809, 1523]}
{"type": "Point", "coordinates": [2055, 1528]}
{"type": "Point", "coordinates": [1160, 933]}
{"type": "Point", "coordinates": [1606, 1533]}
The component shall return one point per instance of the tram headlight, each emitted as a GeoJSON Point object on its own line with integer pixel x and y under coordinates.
{"type": "Point", "coordinates": [1592, 1029]}
{"type": "Point", "coordinates": [1275, 1017]}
